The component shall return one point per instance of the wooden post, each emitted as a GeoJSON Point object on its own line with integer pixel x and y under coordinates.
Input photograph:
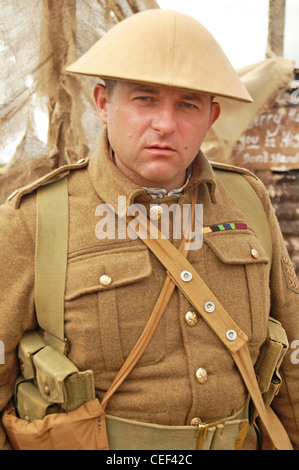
{"type": "Point", "coordinates": [276, 27]}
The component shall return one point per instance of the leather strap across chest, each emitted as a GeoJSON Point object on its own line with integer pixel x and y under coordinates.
{"type": "Point", "coordinates": [199, 295]}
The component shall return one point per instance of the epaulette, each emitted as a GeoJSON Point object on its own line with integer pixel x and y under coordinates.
{"type": "Point", "coordinates": [232, 168]}
{"type": "Point", "coordinates": [58, 173]}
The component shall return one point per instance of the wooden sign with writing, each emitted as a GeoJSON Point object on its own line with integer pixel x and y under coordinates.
{"type": "Point", "coordinates": [271, 141]}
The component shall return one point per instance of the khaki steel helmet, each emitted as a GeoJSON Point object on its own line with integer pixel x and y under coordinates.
{"type": "Point", "coordinates": [163, 47]}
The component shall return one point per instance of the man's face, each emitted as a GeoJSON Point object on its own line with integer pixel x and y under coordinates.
{"type": "Point", "coordinates": [155, 132]}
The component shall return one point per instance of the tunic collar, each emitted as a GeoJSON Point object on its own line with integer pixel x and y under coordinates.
{"type": "Point", "coordinates": [109, 182]}
{"type": "Point", "coordinates": [160, 192]}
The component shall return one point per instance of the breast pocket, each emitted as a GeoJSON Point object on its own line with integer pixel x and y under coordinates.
{"type": "Point", "coordinates": [238, 274]}
{"type": "Point", "coordinates": [119, 284]}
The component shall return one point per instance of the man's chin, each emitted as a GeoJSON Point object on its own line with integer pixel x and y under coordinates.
{"type": "Point", "coordinates": [163, 179]}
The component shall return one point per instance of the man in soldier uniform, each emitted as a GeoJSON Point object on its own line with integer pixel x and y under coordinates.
{"type": "Point", "coordinates": [162, 74]}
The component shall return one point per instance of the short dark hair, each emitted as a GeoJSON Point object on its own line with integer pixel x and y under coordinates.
{"type": "Point", "coordinates": [110, 85]}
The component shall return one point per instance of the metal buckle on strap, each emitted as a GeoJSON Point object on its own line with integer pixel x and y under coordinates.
{"type": "Point", "coordinates": [209, 435]}
{"type": "Point", "coordinates": [242, 434]}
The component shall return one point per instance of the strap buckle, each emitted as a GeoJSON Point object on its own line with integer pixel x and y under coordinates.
{"type": "Point", "coordinates": [214, 434]}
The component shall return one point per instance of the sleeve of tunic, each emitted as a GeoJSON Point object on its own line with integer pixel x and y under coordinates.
{"type": "Point", "coordinates": [17, 295]}
{"type": "Point", "coordinates": [284, 289]}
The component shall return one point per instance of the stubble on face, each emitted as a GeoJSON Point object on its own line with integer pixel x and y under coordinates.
{"type": "Point", "coordinates": [155, 132]}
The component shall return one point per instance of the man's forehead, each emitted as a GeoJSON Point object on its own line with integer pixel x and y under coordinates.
{"type": "Point", "coordinates": [160, 90]}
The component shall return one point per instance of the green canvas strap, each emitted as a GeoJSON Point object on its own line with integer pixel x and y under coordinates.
{"type": "Point", "coordinates": [51, 260]}
{"type": "Point", "coordinates": [250, 205]}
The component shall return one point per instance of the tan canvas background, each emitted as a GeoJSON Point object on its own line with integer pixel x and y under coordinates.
{"type": "Point", "coordinates": [38, 38]}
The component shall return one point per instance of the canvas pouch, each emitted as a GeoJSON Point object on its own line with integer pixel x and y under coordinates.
{"type": "Point", "coordinates": [82, 429]}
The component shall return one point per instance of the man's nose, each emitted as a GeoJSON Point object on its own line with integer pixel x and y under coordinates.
{"type": "Point", "coordinates": [164, 120]}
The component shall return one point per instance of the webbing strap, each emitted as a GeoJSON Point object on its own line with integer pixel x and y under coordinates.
{"type": "Point", "coordinates": [228, 434]}
{"type": "Point", "coordinates": [251, 206]}
{"type": "Point", "coordinates": [51, 259]}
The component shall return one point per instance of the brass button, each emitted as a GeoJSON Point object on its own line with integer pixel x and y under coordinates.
{"type": "Point", "coordinates": [201, 375]}
{"type": "Point", "coordinates": [46, 390]}
{"type": "Point", "coordinates": [156, 212]}
{"type": "Point", "coordinates": [105, 280]}
{"type": "Point", "coordinates": [195, 421]}
{"type": "Point", "coordinates": [254, 253]}
{"type": "Point", "coordinates": [191, 318]}
{"type": "Point", "coordinates": [22, 367]}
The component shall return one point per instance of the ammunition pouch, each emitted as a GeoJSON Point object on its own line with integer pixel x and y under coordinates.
{"type": "Point", "coordinates": [50, 382]}
{"type": "Point", "coordinates": [267, 371]}
{"type": "Point", "coordinates": [55, 405]}
{"type": "Point", "coordinates": [269, 361]}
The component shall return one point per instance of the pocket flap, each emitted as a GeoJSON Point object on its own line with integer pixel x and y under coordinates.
{"type": "Point", "coordinates": [31, 404]}
{"type": "Point", "coordinates": [52, 368]}
{"type": "Point", "coordinates": [101, 271]}
{"type": "Point", "coordinates": [30, 343]}
{"type": "Point", "coordinates": [236, 248]}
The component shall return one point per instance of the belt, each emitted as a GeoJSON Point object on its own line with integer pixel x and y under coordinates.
{"type": "Point", "coordinates": [226, 434]}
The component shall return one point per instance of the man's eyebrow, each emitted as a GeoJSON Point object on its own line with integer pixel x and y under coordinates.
{"type": "Point", "coordinates": [192, 97]}
{"type": "Point", "coordinates": [144, 89]}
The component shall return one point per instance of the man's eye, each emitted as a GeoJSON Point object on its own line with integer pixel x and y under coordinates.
{"type": "Point", "coordinates": [143, 98]}
{"type": "Point", "coordinates": [185, 104]}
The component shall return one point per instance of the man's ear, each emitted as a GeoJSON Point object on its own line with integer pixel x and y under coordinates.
{"type": "Point", "coordinates": [215, 113]}
{"type": "Point", "coordinates": [100, 95]}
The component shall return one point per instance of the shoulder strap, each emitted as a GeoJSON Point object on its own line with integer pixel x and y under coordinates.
{"type": "Point", "coordinates": [51, 260]}
{"type": "Point", "coordinates": [200, 296]}
{"type": "Point", "coordinates": [251, 206]}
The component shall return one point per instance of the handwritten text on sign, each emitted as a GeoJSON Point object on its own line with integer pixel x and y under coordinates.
{"type": "Point", "coordinates": [271, 141]}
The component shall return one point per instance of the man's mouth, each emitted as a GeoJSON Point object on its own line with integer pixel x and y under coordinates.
{"type": "Point", "coordinates": [162, 148]}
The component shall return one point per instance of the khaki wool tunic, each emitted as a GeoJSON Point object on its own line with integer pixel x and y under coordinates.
{"type": "Point", "coordinates": [103, 322]}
